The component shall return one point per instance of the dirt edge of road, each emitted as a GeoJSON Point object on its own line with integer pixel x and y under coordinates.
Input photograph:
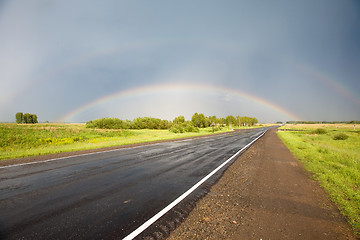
{"type": "Point", "coordinates": [265, 194]}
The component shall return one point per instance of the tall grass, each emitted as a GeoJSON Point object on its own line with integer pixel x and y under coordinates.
{"type": "Point", "coordinates": [21, 140]}
{"type": "Point", "coordinates": [335, 163]}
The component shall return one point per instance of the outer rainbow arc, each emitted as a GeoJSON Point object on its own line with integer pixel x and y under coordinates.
{"type": "Point", "coordinates": [325, 79]}
{"type": "Point", "coordinates": [330, 82]}
{"type": "Point", "coordinates": [47, 74]}
{"type": "Point", "coordinates": [172, 87]}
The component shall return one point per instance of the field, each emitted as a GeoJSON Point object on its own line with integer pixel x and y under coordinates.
{"type": "Point", "coordinates": [332, 153]}
{"type": "Point", "coordinates": [24, 140]}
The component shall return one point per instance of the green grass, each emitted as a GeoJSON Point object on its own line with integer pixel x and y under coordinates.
{"type": "Point", "coordinates": [329, 127]}
{"type": "Point", "coordinates": [24, 140]}
{"type": "Point", "coordinates": [335, 163]}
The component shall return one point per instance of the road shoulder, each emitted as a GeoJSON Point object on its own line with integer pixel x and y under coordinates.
{"type": "Point", "coordinates": [265, 194]}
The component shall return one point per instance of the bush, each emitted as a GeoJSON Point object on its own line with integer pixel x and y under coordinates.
{"type": "Point", "coordinates": [215, 129]}
{"type": "Point", "coordinates": [319, 131]}
{"type": "Point", "coordinates": [340, 136]}
{"type": "Point", "coordinates": [191, 128]}
{"type": "Point", "coordinates": [177, 128]}
{"type": "Point", "coordinates": [150, 123]}
{"type": "Point", "coordinates": [138, 123]}
{"type": "Point", "coordinates": [183, 127]}
{"type": "Point", "coordinates": [107, 123]}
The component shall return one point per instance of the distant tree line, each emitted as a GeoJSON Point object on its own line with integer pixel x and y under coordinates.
{"type": "Point", "coordinates": [199, 120]}
{"type": "Point", "coordinates": [137, 123]}
{"type": "Point", "coordinates": [178, 125]}
{"type": "Point", "coordinates": [26, 118]}
{"type": "Point", "coordinates": [323, 122]}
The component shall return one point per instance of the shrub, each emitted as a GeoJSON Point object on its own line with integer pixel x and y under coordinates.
{"type": "Point", "coordinates": [177, 128]}
{"type": "Point", "coordinates": [138, 123]}
{"type": "Point", "coordinates": [215, 129]}
{"type": "Point", "coordinates": [319, 131]}
{"type": "Point", "coordinates": [150, 123]}
{"type": "Point", "coordinates": [191, 128]}
{"type": "Point", "coordinates": [340, 136]}
{"type": "Point", "coordinates": [184, 127]}
{"type": "Point", "coordinates": [106, 123]}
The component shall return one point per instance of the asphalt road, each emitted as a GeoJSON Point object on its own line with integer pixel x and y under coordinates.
{"type": "Point", "coordinates": [107, 195]}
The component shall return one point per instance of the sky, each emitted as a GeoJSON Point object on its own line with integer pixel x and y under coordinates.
{"type": "Point", "coordinates": [280, 60]}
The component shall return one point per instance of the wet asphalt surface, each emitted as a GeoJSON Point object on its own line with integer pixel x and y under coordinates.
{"type": "Point", "coordinates": [108, 195]}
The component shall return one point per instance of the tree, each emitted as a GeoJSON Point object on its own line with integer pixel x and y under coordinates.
{"type": "Point", "coordinates": [199, 120]}
{"type": "Point", "coordinates": [19, 117]}
{"type": "Point", "coordinates": [230, 120]}
{"type": "Point", "coordinates": [213, 119]}
{"type": "Point", "coordinates": [222, 121]}
{"type": "Point", "coordinates": [238, 121]}
{"type": "Point", "coordinates": [179, 120]}
{"type": "Point", "coordinates": [27, 118]}
{"type": "Point", "coordinates": [254, 121]}
{"type": "Point", "coordinates": [207, 122]}
{"type": "Point", "coordinates": [30, 118]}
{"type": "Point", "coordinates": [35, 118]}
{"type": "Point", "coordinates": [247, 121]}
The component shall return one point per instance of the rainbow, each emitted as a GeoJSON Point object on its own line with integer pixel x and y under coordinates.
{"type": "Point", "coordinates": [330, 82]}
{"type": "Point", "coordinates": [168, 87]}
{"type": "Point", "coordinates": [315, 74]}
{"type": "Point", "coordinates": [76, 61]}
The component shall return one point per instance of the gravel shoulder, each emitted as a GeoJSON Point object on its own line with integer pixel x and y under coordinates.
{"type": "Point", "coordinates": [265, 194]}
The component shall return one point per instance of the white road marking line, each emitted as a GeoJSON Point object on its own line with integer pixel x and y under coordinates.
{"type": "Point", "coordinates": [74, 156]}
{"type": "Point", "coordinates": [87, 154]}
{"type": "Point", "coordinates": [184, 195]}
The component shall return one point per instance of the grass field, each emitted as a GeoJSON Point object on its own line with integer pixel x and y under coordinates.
{"type": "Point", "coordinates": [24, 140]}
{"type": "Point", "coordinates": [335, 163]}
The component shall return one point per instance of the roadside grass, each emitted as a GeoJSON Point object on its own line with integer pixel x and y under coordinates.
{"type": "Point", "coordinates": [25, 140]}
{"type": "Point", "coordinates": [329, 127]}
{"type": "Point", "coordinates": [334, 163]}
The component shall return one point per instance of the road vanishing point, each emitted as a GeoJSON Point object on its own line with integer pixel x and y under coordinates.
{"type": "Point", "coordinates": [119, 194]}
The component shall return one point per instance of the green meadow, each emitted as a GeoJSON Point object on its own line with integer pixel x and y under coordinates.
{"type": "Point", "coordinates": [24, 140]}
{"type": "Point", "coordinates": [332, 153]}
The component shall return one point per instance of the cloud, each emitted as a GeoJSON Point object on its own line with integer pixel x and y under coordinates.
{"type": "Point", "coordinates": [19, 48]}
{"type": "Point", "coordinates": [86, 49]}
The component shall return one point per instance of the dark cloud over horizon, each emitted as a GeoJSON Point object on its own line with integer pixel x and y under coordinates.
{"type": "Point", "coordinates": [303, 56]}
